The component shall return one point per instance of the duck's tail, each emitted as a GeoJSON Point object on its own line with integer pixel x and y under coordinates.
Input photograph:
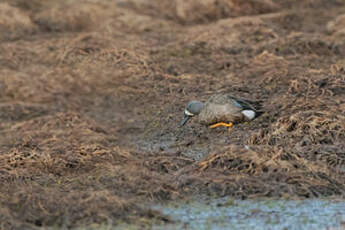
{"type": "Point", "coordinates": [256, 106]}
{"type": "Point", "coordinates": [258, 113]}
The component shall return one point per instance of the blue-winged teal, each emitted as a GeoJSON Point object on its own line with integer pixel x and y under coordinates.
{"type": "Point", "coordinates": [221, 110]}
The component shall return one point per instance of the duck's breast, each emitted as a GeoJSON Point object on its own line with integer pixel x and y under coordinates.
{"type": "Point", "coordinates": [214, 113]}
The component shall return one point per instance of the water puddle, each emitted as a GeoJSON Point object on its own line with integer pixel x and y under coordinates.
{"type": "Point", "coordinates": [226, 213]}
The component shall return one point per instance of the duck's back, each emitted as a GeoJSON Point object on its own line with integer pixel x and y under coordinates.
{"type": "Point", "coordinates": [222, 108]}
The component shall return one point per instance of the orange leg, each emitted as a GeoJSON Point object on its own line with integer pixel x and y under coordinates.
{"type": "Point", "coordinates": [221, 124]}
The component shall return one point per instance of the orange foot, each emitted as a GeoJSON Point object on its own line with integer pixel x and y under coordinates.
{"type": "Point", "coordinates": [221, 124]}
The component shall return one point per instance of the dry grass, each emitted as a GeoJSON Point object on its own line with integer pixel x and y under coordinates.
{"type": "Point", "coordinates": [91, 94]}
{"type": "Point", "coordinates": [336, 27]}
{"type": "Point", "coordinates": [74, 17]}
{"type": "Point", "coordinates": [72, 174]}
{"type": "Point", "coordinates": [268, 171]}
{"type": "Point", "coordinates": [14, 23]}
{"type": "Point", "coordinates": [195, 12]}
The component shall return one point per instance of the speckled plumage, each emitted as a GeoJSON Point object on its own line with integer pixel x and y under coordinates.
{"type": "Point", "coordinates": [224, 108]}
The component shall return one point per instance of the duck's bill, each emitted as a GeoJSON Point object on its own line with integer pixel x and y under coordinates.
{"type": "Point", "coordinates": [184, 121]}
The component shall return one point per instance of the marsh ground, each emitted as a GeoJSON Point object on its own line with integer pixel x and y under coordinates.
{"type": "Point", "coordinates": [92, 93]}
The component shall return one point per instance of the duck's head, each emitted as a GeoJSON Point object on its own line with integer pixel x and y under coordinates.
{"type": "Point", "coordinates": [192, 109]}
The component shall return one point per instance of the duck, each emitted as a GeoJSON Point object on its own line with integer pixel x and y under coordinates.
{"type": "Point", "coordinates": [221, 110]}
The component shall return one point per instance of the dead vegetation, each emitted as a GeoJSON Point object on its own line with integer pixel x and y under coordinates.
{"type": "Point", "coordinates": [74, 17]}
{"type": "Point", "coordinates": [71, 174]}
{"type": "Point", "coordinates": [14, 23]}
{"type": "Point", "coordinates": [92, 92]}
{"type": "Point", "coordinates": [196, 12]}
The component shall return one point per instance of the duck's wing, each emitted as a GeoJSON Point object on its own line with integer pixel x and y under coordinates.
{"type": "Point", "coordinates": [243, 103]}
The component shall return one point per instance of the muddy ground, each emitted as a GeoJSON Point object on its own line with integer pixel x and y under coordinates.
{"type": "Point", "coordinates": [92, 93]}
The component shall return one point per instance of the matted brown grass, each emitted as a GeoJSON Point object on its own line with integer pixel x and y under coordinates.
{"type": "Point", "coordinates": [196, 12]}
{"type": "Point", "coordinates": [14, 23]}
{"type": "Point", "coordinates": [92, 92]}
